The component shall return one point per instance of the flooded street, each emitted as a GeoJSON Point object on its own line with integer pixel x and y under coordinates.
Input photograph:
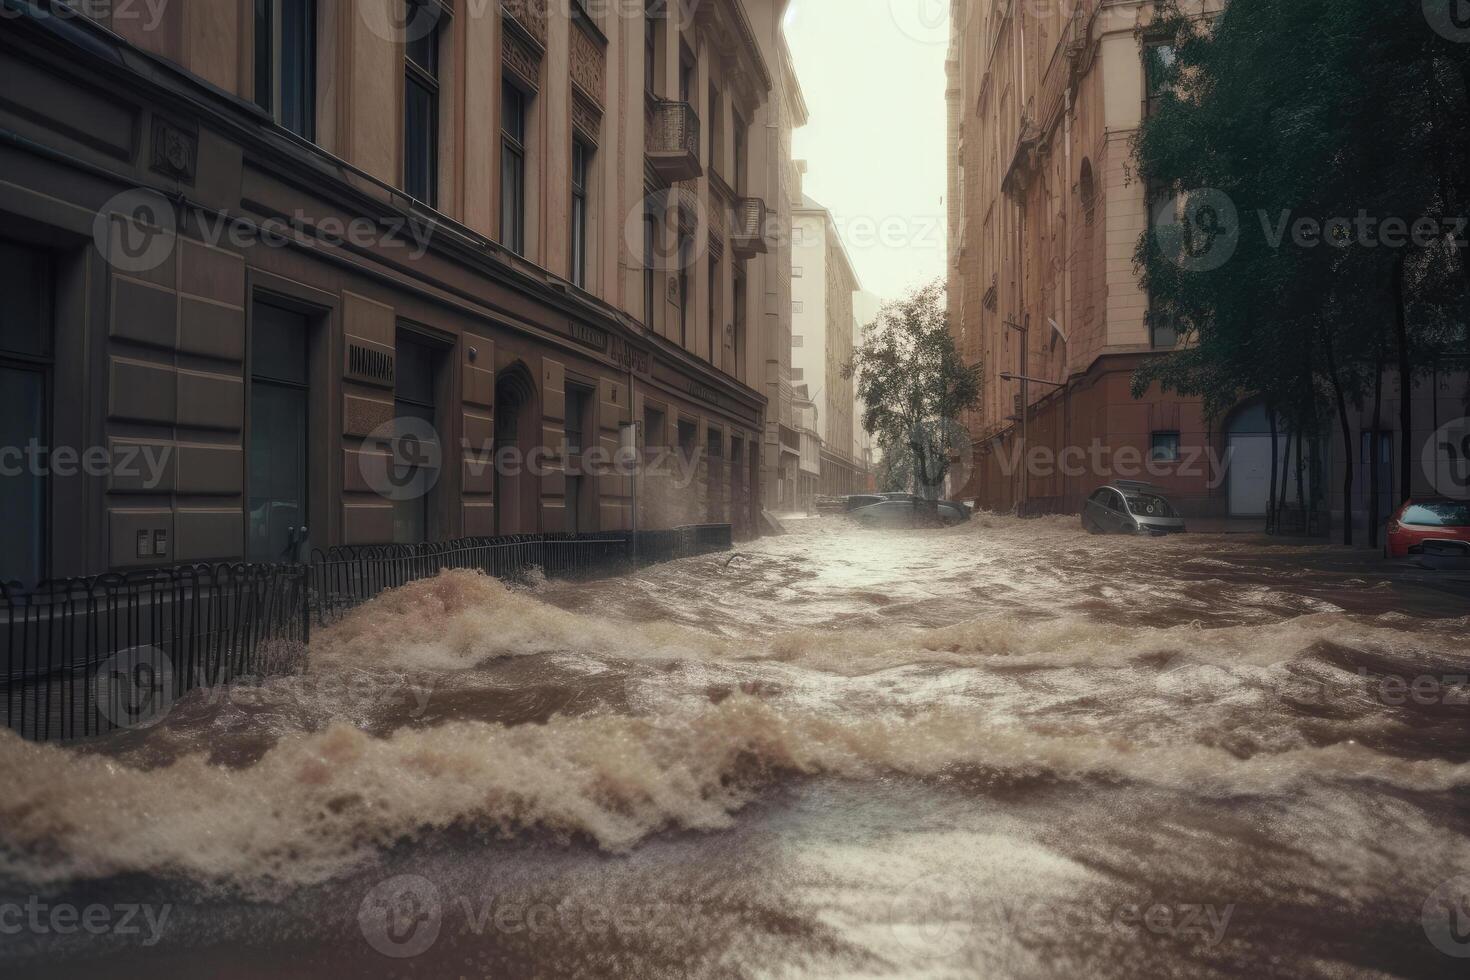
{"type": "Point", "coordinates": [1001, 750]}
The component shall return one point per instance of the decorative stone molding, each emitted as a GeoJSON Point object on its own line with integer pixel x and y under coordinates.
{"type": "Point", "coordinates": [175, 151]}
{"type": "Point", "coordinates": [586, 118]}
{"type": "Point", "coordinates": [520, 56]}
{"type": "Point", "coordinates": [530, 15]}
{"type": "Point", "coordinates": [589, 61]}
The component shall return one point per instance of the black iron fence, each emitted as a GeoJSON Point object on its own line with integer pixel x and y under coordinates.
{"type": "Point", "coordinates": [87, 656]}
{"type": "Point", "coordinates": [345, 577]}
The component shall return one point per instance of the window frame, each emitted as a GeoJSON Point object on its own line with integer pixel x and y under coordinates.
{"type": "Point", "coordinates": [434, 350]}
{"type": "Point", "coordinates": [581, 185]}
{"type": "Point", "coordinates": [271, 22]}
{"type": "Point", "coordinates": [1155, 90]}
{"type": "Point", "coordinates": [42, 363]}
{"type": "Point", "coordinates": [742, 152]}
{"type": "Point", "coordinates": [1154, 445]}
{"type": "Point", "coordinates": [425, 78]}
{"type": "Point", "coordinates": [513, 149]}
{"type": "Point", "coordinates": [650, 257]}
{"type": "Point", "coordinates": [714, 307]}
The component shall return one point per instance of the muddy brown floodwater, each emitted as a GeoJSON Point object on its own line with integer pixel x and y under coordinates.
{"type": "Point", "coordinates": [1001, 750]}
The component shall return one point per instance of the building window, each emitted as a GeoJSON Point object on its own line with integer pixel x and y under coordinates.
{"type": "Point", "coordinates": [686, 257]}
{"type": "Point", "coordinates": [650, 52]}
{"type": "Point", "coordinates": [421, 110]}
{"type": "Point", "coordinates": [278, 471]}
{"type": "Point", "coordinates": [513, 168]}
{"type": "Point", "coordinates": [714, 311]}
{"type": "Point", "coordinates": [716, 130]}
{"type": "Point", "coordinates": [686, 75]}
{"type": "Point", "coordinates": [1164, 447]}
{"type": "Point", "coordinates": [285, 63]}
{"type": "Point", "coordinates": [1163, 333]}
{"type": "Point", "coordinates": [798, 341]}
{"type": "Point", "coordinates": [578, 401]}
{"type": "Point", "coordinates": [1158, 61]}
{"type": "Point", "coordinates": [737, 320]}
{"type": "Point", "coordinates": [650, 255]}
{"type": "Point", "coordinates": [738, 178]}
{"type": "Point", "coordinates": [687, 434]}
{"type": "Point", "coordinates": [26, 282]}
{"type": "Point", "coordinates": [581, 163]}
{"type": "Point", "coordinates": [1087, 191]}
{"type": "Point", "coordinates": [414, 405]}
{"type": "Point", "coordinates": [798, 306]}
{"type": "Point", "coordinates": [797, 272]}
{"type": "Point", "coordinates": [655, 429]}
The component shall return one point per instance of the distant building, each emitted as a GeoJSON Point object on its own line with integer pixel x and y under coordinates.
{"type": "Point", "coordinates": [781, 460]}
{"type": "Point", "coordinates": [1044, 217]}
{"type": "Point", "coordinates": [822, 287]}
{"type": "Point", "coordinates": [809, 473]}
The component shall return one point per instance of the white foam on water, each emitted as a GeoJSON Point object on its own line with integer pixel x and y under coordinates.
{"type": "Point", "coordinates": [316, 804]}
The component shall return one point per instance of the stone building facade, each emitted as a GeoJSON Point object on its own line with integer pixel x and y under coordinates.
{"type": "Point", "coordinates": [275, 249]}
{"type": "Point", "coordinates": [1045, 212]}
{"type": "Point", "coordinates": [823, 284]}
{"type": "Point", "coordinates": [1044, 216]}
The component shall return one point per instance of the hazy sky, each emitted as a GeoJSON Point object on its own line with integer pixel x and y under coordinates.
{"type": "Point", "coordinates": [872, 72]}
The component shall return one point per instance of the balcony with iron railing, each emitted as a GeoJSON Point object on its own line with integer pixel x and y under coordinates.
{"type": "Point", "coordinates": [748, 237]}
{"type": "Point", "coordinates": [673, 140]}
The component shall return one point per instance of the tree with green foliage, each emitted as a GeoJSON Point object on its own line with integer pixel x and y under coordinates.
{"type": "Point", "coordinates": [1306, 169]}
{"type": "Point", "coordinates": [913, 386]}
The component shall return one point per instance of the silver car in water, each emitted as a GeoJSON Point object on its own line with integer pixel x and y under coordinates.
{"type": "Point", "coordinates": [1128, 507]}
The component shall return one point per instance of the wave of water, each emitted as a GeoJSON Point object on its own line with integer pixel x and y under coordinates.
{"type": "Point", "coordinates": [569, 721]}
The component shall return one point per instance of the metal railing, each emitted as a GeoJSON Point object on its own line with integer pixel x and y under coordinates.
{"type": "Point", "coordinates": [672, 141]}
{"type": "Point", "coordinates": [342, 578]}
{"type": "Point", "coordinates": [749, 236]}
{"type": "Point", "coordinates": [86, 656]}
{"type": "Point", "coordinates": [80, 655]}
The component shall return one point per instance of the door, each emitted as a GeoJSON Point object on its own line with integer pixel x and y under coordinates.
{"type": "Point", "coordinates": [26, 285]}
{"type": "Point", "coordinates": [1249, 482]}
{"type": "Point", "coordinates": [277, 518]}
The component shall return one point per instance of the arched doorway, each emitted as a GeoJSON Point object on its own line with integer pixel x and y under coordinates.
{"type": "Point", "coordinates": [516, 431]}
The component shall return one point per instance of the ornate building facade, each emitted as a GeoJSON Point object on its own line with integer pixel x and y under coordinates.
{"type": "Point", "coordinates": [265, 245]}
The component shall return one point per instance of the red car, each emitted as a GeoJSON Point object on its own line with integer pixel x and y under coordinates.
{"type": "Point", "coordinates": [1418, 521]}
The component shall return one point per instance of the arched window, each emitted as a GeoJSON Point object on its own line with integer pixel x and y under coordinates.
{"type": "Point", "coordinates": [1087, 190]}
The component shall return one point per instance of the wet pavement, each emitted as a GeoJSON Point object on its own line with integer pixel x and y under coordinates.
{"type": "Point", "coordinates": [1001, 750]}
